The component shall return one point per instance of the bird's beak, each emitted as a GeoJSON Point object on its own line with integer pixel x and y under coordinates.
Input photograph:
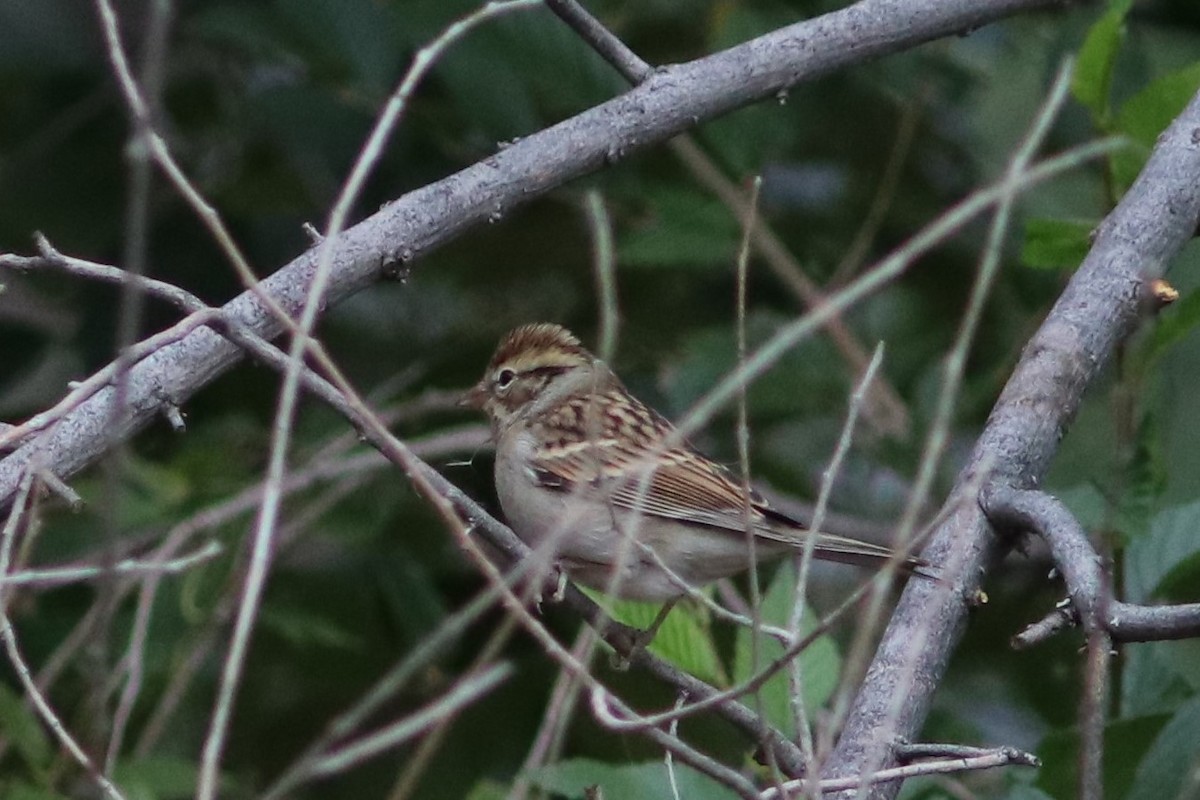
{"type": "Point", "coordinates": [473, 397]}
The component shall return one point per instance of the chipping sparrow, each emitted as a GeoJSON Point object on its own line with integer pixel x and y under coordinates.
{"type": "Point", "coordinates": [588, 472]}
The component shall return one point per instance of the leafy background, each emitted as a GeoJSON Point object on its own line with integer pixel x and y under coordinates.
{"type": "Point", "coordinates": [267, 103]}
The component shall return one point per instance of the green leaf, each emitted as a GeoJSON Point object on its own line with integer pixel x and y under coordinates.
{"type": "Point", "coordinates": [683, 638]}
{"type": "Point", "coordinates": [1147, 114]}
{"type": "Point", "coordinates": [1151, 559]}
{"type": "Point", "coordinates": [1056, 243]}
{"type": "Point", "coordinates": [1125, 743]}
{"type": "Point", "coordinates": [1153, 681]}
{"type": "Point", "coordinates": [1182, 583]}
{"type": "Point", "coordinates": [1170, 763]}
{"type": "Point", "coordinates": [1144, 481]}
{"type": "Point", "coordinates": [488, 789]}
{"type": "Point", "coordinates": [820, 663]}
{"type": "Point", "coordinates": [574, 778]}
{"type": "Point", "coordinates": [1094, 68]}
{"type": "Point", "coordinates": [21, 727]}
{"type": "Point", "coordinates": [1162, 565]}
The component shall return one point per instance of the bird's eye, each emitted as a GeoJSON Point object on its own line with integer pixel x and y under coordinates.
{"type": "Point", "coordinates": [504, 378]}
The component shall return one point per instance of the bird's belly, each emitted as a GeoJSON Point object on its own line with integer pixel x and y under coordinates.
{"type": "Point", "coordinates": [629, 556]}
{"type": "Point", "coordinates": [632, 556]}
{"type": "Point", "coordinates": [555, 521]}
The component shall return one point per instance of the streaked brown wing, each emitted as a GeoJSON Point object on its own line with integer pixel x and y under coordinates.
{"type": "Point", "coordinates": [624, 457]}
{"type": "Point", "coordinates": [613, 444]}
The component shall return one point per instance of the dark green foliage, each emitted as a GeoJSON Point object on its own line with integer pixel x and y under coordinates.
{"type": "Point", "coordinates": [266, 105]}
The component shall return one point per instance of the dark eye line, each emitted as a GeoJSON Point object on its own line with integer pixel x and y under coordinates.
{"type": "Point", "coordinates": [506, 376]}
{"type": "Point", "coordinates": [547, 371]}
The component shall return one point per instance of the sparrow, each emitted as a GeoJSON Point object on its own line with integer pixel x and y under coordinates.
{"type": "Point", "coordinates": [588, 473]}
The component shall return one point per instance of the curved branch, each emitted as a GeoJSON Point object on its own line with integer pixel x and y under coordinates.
{"type": "Point", "coordinates": [1092, 603]}
{"type": "Point", "coordinates": [670, 101]}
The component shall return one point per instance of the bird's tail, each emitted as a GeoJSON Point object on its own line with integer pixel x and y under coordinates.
{"type": "Point", "coordinates": [846, 550]}
{"type": "Point", "coordinates": [867, 554]}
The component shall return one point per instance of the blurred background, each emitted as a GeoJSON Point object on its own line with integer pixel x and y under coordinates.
{"type": "Point", "coordinates": [266, 104]}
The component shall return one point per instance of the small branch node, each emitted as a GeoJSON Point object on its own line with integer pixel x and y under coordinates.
{"type": "Point", "coordinates": [906, 752]}
{"type": "Point", "coordinates": [1162, 294]}
{"type": "Point", "coordinates": [45, 249]}
{"type": "Point", "coordinates": [175, 417]}
{"type": "Point", "coordinates": [315, 237]}
{"type": "Point", "coordinates": [59, 487]}
{"type": "Point", "coordinates": [1062, 617]}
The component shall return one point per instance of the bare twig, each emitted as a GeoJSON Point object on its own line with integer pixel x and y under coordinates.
{"type": "Point", "coordinates": [661, 107]}
{"type": "Point", "coordinates": [1049, 626]}
{"type": "Point", "coordinates": [610, 47]}
{"type": "Point", "coordinates": [560, 708]}
{"type": "Point", "coordinates": [314, 300]}
{"type": "Point", "coordinates": [804, 562]}
{"type": "Point", "coordinates": [979, 759]}
{"type": "Point", "coordinates": [885, 193]}
{"type": "Point", "coordinates": [950, 222]}
{"type": "Point", "coordinates": [742, 275]}
{"type": "Point", "coordinates": [1093, 714]}
{"type": "Point", "coordinates": [461, 695]}
{"type": "Point", "coordinates": [948, 393]}
{"type": "Point", "coordinates": [604, 260]}
{"type": "Point", "coordinates": [12, 649]}
{"type": "Point", "coordinates": [58, 576]}
{"type": "Point", "coordinates": [886, 411]}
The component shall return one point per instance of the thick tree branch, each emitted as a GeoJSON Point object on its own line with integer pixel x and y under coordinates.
{"type": "Point", "coordinates": [1098, 309]}
{"type": "Point", "coordinates": [670, 101]}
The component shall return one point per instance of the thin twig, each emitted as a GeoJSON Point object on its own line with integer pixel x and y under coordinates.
{"type": "Point", "coordinates": [1062, 617]}
{"type": "Point", "coordinates": [59, 576]}
{"type": "Point", "coordinates": [946, 225]}
{"type": "Point", "coordinates": [12, 649]}
{"type": "Point", "coordinates": [1002, 757]}
{"type": "Point", "coordinates": [464, 693]}
{"type": "Point", "coordinates": [564, 697]}
{"type": "Point", "coordinates": [604, 264]}
{"type": "Point", "coordinates": [1100, 306]}
{"type": "Point", "coordinates": [804, 560]}
{"type": "Point", "coordinates": [628, 63]}
{"type": "Point", "coordinates": [1093, 714]}
{"type": "Point", "coordinates": [885, 192]}
{"type": "Point", "coordinates": [742, 273]}
{"type": "Point", "coordinates": [1089, 587]}
{"type": "Point", "coordinates": [411, 772]}
{"type": "Point", "coordinates": [281, 433]}
{"type": "Point", "coordinates": [887, 410]}
{"type": "Point", "coordinates": [939, 431]}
